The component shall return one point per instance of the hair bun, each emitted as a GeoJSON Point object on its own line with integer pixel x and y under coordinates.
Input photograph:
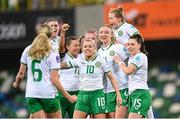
{"type": "Point", "coordinates": [120, 8]}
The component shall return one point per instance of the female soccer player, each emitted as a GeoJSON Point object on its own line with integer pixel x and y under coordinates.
{"type": "Point", "coordinates": [92, 34]}
{"type": "Point", "coordinates": [57, 42]}
{"type": "Point", "coordinates": [91, 66]}
{"type": "Point", "coordinates": [123, 31]}
{"type": "Point", "coordinates": [137, 69]}
{"type": "Point", "coordinates": [42, 66]}
{"type": "Point", "coordinates": [107, 51]}
{"type": "Point", "coordinates": [70, 77]}
{"type": "Point", "coordinates": [121, 28]}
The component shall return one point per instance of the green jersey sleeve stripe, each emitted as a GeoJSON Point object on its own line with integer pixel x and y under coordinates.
{"type": "Point", "coordinates": [23, 63]}
{"type": "Point", "coordinates": [135, 65]}
{"type": "Point", "coordinates": [136, 33]}
{"type": "Point", "coordinates": [107, 71]}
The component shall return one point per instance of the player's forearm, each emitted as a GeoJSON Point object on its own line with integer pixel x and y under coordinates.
{"type": "Point", "coordinates": [125, 69]}
{"type": "Point", "coordinates": [62, 42]}
{"type": "Point", "coordinates": [115, 86]}
{"type": "Point", "coordinates": [114, 83]}
{"type": "Point", "coordinates": [20, 75]}
{"type": "Point", "coordinates": [18, 79]}
{"type": "Point", "coordinates": [55, 81]}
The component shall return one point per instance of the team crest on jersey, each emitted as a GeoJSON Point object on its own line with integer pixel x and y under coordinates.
{"type": "Point", "coordinates": [120, 33]}
{"type": "Point", "coordinates": [112, 53]}
{"type": "Point", "coordinates": [98, 64]}
{"type": "Point", "coordinates": [58, 59]}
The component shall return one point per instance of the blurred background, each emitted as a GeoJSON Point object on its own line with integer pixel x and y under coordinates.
{"type": "Point", "coordinates": [157, 20]}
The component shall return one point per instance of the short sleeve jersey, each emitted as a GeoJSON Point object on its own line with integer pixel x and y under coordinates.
{"type": "Point", "coordinates": [38, 75]}
{"type": "Point", "coordinates": [90, 72]}
{"type": "Point", "coordinates": [138, 80]}
{"type": "Point", "coordinates": [70, 77]}
{"type": "Point", "coordinates": [124, 32]}
{"type": "Point", "coordinates": [108, 54]}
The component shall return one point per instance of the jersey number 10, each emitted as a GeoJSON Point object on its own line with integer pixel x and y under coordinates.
{"type": "Point", "coordinates": [90, 69]}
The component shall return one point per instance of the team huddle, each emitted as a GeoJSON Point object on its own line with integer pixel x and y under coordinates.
{"type": "Point", "coordinates": [102, 74]}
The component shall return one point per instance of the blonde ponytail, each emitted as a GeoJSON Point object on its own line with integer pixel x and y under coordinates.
{"type": "Point", "coordinates": [41, 46]}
